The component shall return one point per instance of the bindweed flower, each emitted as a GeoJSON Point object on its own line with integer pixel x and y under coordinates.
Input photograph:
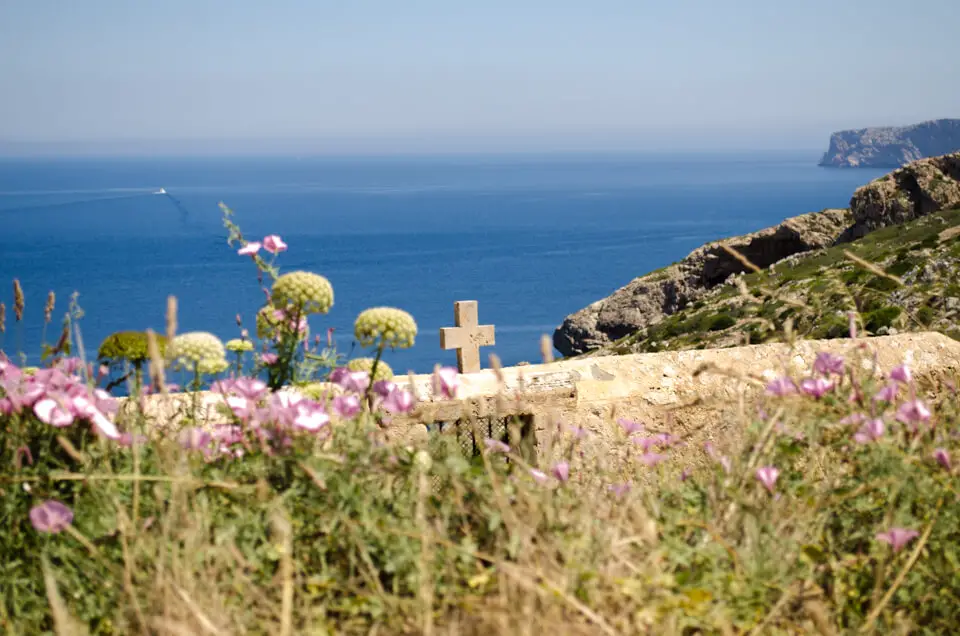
{"type": "Point", "coordinates": [768, 475]}
{"type": "Point", "coordinates": [354, 381]}
{"type": "Point", "coordinates": [249, 249]}
{"type": "Point", "coordinates": [870, 431]}
{"type": "Point", "coordinates": [446, 382]}
{"type": "Point", "coordinates": [538, 475]}
{"type": "Point", "coordinates": [269, 359]}
{"type": "Point", "coordinates": [620, 489]}
{"type": "Point", "coordinates": [781, 387]}
{"type": "Point", "coordinates": [51, 516]}
{"type": "Point", "coordinates": [942, 457]}
{"type": "Point", "coordinates": [652, 459]}
{"type": "Point", "coordinates": [897, 537]}
{"type": "Point", "coordinates": [398, 401]}
{"type": "Point", "coordinates": [630, 427]}
{"type": "Point", "coordinates": [51, 412]}
{"type": "Point", "coordinates": [274, 244]}
{"type": "Point", "coordinates": [561, 471]}
{"type": "Point", "coordinates": [913, 413]}
{"type": "Point", "coordinates": [195, 439]}
{"type": "Point", "coordinates": [384, 372]}
{"type": "Point", "coordinates": [238, 345]}
{"type": "Point", "coordinates": [887, 394]}
{"type": "Point", "coordinates": [251, 388]}
{"type": "Point", "coordinates": [306, 292]}
{"type": "Point", "coordinates": [310, 416]}
{"type": "Point", "coordinates": [853, 418]}
{"type": "Point", "coordinates": [901, 374]}
{"type": "Point", "coordinates": [346, 406]}
{"type": "Point", "coordinates": [385, 326]}
{"type": "Point", "coordinates": [816, 387]}
{"type": "Point", "coordinates": [496, 446]}
{"type": "Point", "coordinates": [828, 364]}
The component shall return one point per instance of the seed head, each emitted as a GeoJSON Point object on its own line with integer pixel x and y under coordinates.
{"type": "Point", "coordinates": [392, 327]}
{"type": "Point", "coordinates": [384, 372]}
{"type": "Point", "coordinates": [198, 348]}
{"type": "Point", "coordinates": [305, 292]}
{"type": "Point", "coordinates": [48, 308]}
{"type": "Point", "coordinates": [3, 318]}
{"type": "Point", "coordinates": [18, 300]}
{"type": "Point", "coordinates": [238, 345]}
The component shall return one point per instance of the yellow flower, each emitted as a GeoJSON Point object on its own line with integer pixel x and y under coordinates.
{"type": "Point", "coordinates": [395, 328]}
{"type": "Point", "coordinates": [305, 292]}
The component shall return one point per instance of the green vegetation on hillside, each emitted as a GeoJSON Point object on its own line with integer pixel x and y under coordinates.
{"type": "Point", "coordinates": [908, 279]}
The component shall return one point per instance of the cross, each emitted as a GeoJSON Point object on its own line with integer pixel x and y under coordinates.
{"type": "Point", "coordinates": [467, 337]}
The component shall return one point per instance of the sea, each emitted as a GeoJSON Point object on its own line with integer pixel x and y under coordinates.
{"type": "Point", "coordinates": [532, 238]}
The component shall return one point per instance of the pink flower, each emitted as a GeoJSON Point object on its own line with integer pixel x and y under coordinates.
{"type": "Point", "coordinates": [310, 417]}
{"type": "Point", "coordinates": [50, 516]}
{"type": "Point", "coordinates": [496, 446]}
{"type": "Point", "coordinates": [346, 406]}
{"type": "Point", "coordinates": [274, 244]}
{"type": "Point", "coordinates": [870, 431]}
{"type": "Point", "coordinates": [51, 412]}
{"type": "Point", "coordinates": [84, 408]}
{"type": "Point", "coordinates": [398, 401]}
{"type": "Point", "coordinates": [250, 388]}
{"type": "Point", "coordinates": [901, 374]}
{"type": "Point", "coordinates": [249, 249]}
{"type": "Point", "coordinates": [354, 381]}
{"type": "Point", "coordinates": [620, 489]}
{"type": "Point", "coordinates": [828, 364]}
{"type": "Point", "coordinates": [913, 412]}
{"type": "Point", "coordinates": [195, 439]}
{"type": "Point", "coordinates": [816, 387]}
{"type": "Point", "coordinates": [887, 394]}
{"type": "Point", "coordinates": [768, 476]}
{"type": "Point", "coordinates": [383, 388]}
{"type": "Point", "coordinates": [239, 406]}
{"type": "Point", "coordinates": [270, 359]}
{"type": "Point", "coordinates": [897, 537]}
{"type": "Point", "coordinates": [538, 475]}
{"type": "Point", "coordinates": [652, 459]}
{"type": "Point", "coordinates": [629, 426]}
{"type": "Point", "coordinates": [446, 381]}
{"type": "Point", "coordinates": [781, 387]}
{"type": "Point", "coordinates": [942, 457]}
{"type": "Point", "coordinates": [330, 331]}
{"type": "Point", "coordinates": [561, 471]}
{"type": "Point", "coordinates": [685, 475]}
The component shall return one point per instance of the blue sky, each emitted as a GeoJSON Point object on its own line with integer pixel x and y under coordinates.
{"type": "Point", "coordinates": [447, 75]}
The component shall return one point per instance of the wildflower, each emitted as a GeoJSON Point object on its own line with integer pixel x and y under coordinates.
{"type": "Point", "coordinates": [330, 331]}
{"type": "Point", "coordinates": [249, 249]}
{"type": "Point", "coordinates": [942, 457]}
{"type": "Point", "coordinates": [383, 388]}
{"type": "Point", "coordinates": [897, 537]}
{"type": "Point", "coordinates": [496, 446]}
{"type": "Point", "coordinates": [274, 244]}
{"type": "Point", "coordinates": [561, 471]}
{"type": "Point", "coordinates": [309, 416]}
{"type": "Point", "coordinates": [768, 475]}
{"type": "Point", "coordinates": [128, 439]}
{"type": "Point", "coordinates": [887, 394]}
{"type": "Point", "coordinates": [195, 439]}
{"type": "Point", "coordinates": [781, 387]}
{"type": "Point", "coordinates": [354, 381]}
{"type": "Point", "coordinates": [238, 345]}
{"type": "Point", "coordinates": [816, 387]}
{"type": "Point", "coordinates": [384, 372]}
{"type": "Point", "coordinates": [346, 406]}
{"type": "Point", "coordinates": [386, 326]}
{"type": "Point", "coordinates": [652, 459]}
{"type": "Point", "coordinates": [913, 412]}
{"type": "Point", "coordinates": [446, 382]}
{"type": "Point", "coordinates": [398, 401]}
{"type": "Point", "coordinates": [309, 293]}
{"type": "Point", "coordinates": [196, 347]}
{"type": "Point", "coordinates": [250, 388]}
{"type": "Point", "coordinates": [51, 412]}
{"type": "Point", "coordinates": [50, 516]}
{"type": "Point", "coordinates": [269, 359]}
{"type": "Point", "coordinates": [578, 432]}
{"type": "Point", "coordinates": [901, 374]}
{"type": "Point", "coordinates": [685, 475]}
{"type": "Point", "coordinates": [629, 426]}
{"type": "Point", "coordinates": [620, 489]}
{"type": "Point", "coordinates": [538, 475]}
{"type": "Point", "coordinates": [828, 364]}
{"type": "Point", "coordinates": [870, 431]}
{"type": "Point", "coordinates": [852, 324]}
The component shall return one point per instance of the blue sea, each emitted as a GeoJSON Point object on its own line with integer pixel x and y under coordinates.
{"type": "Point", "coordinates": [532, 238]}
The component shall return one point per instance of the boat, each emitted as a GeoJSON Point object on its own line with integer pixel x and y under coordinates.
{"type": "Point", "coordinates": [160, 191]}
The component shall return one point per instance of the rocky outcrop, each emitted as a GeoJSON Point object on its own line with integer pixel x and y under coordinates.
{"type": "Point", "coordinates": [892, 147]}
{"type": "Point", "coordinates": [916, 190]}
{"type": "Point", "coordinates": [648, 299]}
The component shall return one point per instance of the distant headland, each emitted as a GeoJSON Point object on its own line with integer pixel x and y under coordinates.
{"type": "Point", "coordinates": [892, 147]}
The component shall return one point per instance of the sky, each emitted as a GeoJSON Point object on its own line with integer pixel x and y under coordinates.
{"type": "Point", "coordinates": [317, 76]}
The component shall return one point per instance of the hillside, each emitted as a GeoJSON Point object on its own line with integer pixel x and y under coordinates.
{"type": "Point", "coordinates": [891, 147]}
{"type": "Point", "coordinates": [915, 286]}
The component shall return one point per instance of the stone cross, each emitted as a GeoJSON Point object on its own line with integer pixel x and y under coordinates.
{"type": "Point", "coordinates": [467, 337]}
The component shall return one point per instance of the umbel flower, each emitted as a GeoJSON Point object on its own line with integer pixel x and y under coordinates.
{"type": "Point", "coordinates": [388, 326]}
{"type": "Point", "coordinates": [384, 372]}
{"type": "Point", "coordinates": [307, 292]}
{"type": "Point", "coordinates": [197, 349]}
{"type": "Point", "coordinates": [238, 345]}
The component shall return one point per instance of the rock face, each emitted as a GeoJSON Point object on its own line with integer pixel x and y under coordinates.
{"type": "Point", "coordinates": [892, 147]}
{"type": "Point", "coordinates": [648, 299]}
{"type": "Point", "coordinates": [916, 190]}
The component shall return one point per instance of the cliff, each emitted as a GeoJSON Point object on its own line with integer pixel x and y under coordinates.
{"type": "Point", "coordinates": [892, 147]}
{"type": "Point", "coordinates": [632, 313]}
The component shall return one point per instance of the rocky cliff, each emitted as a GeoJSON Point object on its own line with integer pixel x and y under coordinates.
{"type": "Point", "coordinates": [892, 147]}
{"type": "Point", "coordinates": [914, 191]}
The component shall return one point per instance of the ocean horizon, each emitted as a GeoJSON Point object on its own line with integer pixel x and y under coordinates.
{"type": "Point", "coordinates": [531, 237]}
